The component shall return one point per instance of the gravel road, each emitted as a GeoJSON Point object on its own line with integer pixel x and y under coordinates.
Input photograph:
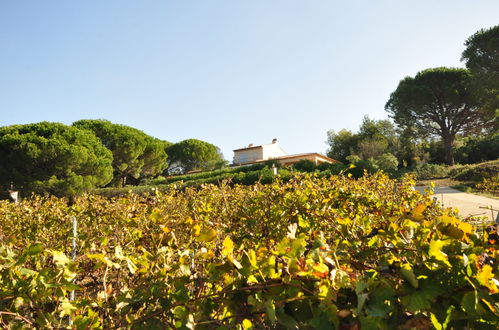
{"type": "Point", "coordinates": [467, 204]}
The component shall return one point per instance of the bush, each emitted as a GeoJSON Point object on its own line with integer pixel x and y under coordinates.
{"type": "Point", "coordinates": [431, 171]}
{"type": "Point", "coordinates": [332, 168]}
{"type": "Point", "coordinates": [475, 173]}
{"type": "Point", "coordinates": [387, 162]}
{"type": "Point", "coordinates": [361, 166]}
{"type": "Point", "coordinates": [304, 165]}
{"type": "Point", "coordinates": [478, 149]}
{"type": "Point", "coordinates": [489, 184]}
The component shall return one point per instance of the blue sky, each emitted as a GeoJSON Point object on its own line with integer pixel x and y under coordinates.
{"type": "Point", "coordinates": [230, 72]}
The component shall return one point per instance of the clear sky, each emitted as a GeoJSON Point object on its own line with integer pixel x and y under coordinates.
{"type": "Point", "coordinates": [230, 72]}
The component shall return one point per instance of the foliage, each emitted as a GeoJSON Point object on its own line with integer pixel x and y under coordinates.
{"type": "Point", "coordinates": [411, 151]}
{"type": "Point", "coordinates": [435, 150]}
{"type": "Point", "coordinates": [361, 166]}
{"type": "Point", "coordinates": [482, 59]}
{"type": "Point", "coordinates": [489, 184]}
{"type": "Point", "coordinates": [371, 148]}
{"type": "Point", "coordinates": [305, 165]}
{"type": "Point", "coordinates": [332, 168]}
{"type": "Point", "coordinates": [431, 171]}
{"type": "Point", "coordinates": [481, 52]}
{"type": "Point", "coordinates": [476, 149]}
{"type": "Point", "coordinates": [374, 138]}
{"type": "Point", "coordinates": [438, 102]}
{"type": "Point", "coordinates": [476, 172]}
{"type": "Point", "coordinates": [246, 175]}
{"type": "Point", "coordinates": [52, 158]}
{"type": "Point", "coordinates": [387, 162]}
{"type": "Point", "coordinates": [310, 253]}
{"type": "Point", "coordinates": [341, 144]}
{"type": "Point", "coordinates": [192, 154]}
{"type": "Point", "coordinates": [135, 154]}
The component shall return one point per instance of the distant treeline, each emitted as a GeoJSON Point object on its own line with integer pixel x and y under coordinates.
{"type": "Point", "coordinates": [441, 115]}
{"type": "Point", "coordinates": [67, 160]}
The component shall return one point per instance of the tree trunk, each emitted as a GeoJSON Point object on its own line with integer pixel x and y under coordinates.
{"type": "Point", "coordinates": [448, 141]}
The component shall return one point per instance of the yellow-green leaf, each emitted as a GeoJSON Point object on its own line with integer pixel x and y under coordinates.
{"type": "Point", "coordinates": [436, 251]}
{"type": "Point", "coordinates": [247, 324]}
{"type": "Point", "coordinates": [60, 258]}
{"type": "Point", "coordinates": [408, 275]}
{"type": "Point", "coordinates": [207, 235]}
{"type": "Point", "coordinates": [228, 247]}
{"type": "Point", "coordinates": [486, 278]}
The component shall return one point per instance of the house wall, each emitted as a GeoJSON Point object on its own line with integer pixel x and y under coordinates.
{"type": "Point", "coordinates": [264, 152]}
{"type": "Point", "coordinates": [250, 155]}
{"type": "Point", "coordinates": [272, 151]}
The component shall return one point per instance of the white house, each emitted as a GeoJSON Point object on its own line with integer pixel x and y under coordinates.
{"type": "Point", "coordinates": [252, 154]}
{"type": "Point", "coordinates": [255, 154]}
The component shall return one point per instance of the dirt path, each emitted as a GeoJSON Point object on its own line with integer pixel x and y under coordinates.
{"type": "Point", "coordinates": [467, 204]}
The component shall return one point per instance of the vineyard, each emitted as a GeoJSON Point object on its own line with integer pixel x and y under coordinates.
{"type": "Point", "coordinates": [308, 253]}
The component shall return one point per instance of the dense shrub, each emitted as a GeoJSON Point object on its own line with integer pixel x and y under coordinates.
{"type": "Point", "coordinates": [387, 162]}
{"type": "Point", "coordinates": [431, 171]}
{"type": "Point", "coordinates": [332, 168]}
{"type": "Point", "coordinates": [304, 165]}
{"type": "Point", "coordinates": [475, 173]}
{"type": "Point", "coordinates": [478, 149]}
{"type": "Point", "coordinates": [489, 184]}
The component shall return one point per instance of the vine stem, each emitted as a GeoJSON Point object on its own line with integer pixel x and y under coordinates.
{"type": "Point", "coordinates": [253, 287]}
{"type": "Point", "coordinates": [104, 283]}
{"type": "Point", "coordinates": [17, 316]}
{"type": "Point", "coordinates": [39, 311]}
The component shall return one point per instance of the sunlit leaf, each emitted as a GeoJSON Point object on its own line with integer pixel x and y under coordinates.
{"type": "Point", "coordinates": [207, 235]}
{"type": "Point", "coordinates": [485, 277]}
{"type": "Point", "coordinates": [436, 251]}
{"type": "Point", "coordinates": [228, 246]}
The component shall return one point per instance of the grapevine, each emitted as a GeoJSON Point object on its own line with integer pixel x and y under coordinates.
{"type": "Point", "coordinates": [311, 252]}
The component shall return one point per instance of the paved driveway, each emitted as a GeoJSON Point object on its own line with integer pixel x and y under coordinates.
{"type": "Point", "coordinates": [467, 204]}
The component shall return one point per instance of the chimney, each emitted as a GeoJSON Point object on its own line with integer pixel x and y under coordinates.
{"type": "Point", "coordinates": [250, 145]}
{"type": "Point", "coordinates": [274, 141]}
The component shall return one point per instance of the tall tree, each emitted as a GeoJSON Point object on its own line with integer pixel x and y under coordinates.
{"type": "Point", "coordinates": [193, 154]}
{"type": "Point", "coordinates": [438, 102]}
{"type": "Point", "coordinates": [482, 59]}
{"type": "Point", "coordinates": [375, 137]}
{"type": "Point", "coordinates": [341, 144]}
{"type": "Point", "coordinates": [135, 154]}
{"type": "Point", "coordinates": [53, 158]}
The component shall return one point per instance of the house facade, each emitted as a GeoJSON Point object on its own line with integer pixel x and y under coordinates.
{"type": "Point", "coordinates": [253, 154]}
{"type": "Point", "coordinates": [256, 154]}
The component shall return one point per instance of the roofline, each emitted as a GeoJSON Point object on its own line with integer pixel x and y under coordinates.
{"type": "Point", "coordinates": [290, 157]}
{"type": "Point", "coordinates": [306, 154]}
{"type": "Point", "coordinates": [247, 148]}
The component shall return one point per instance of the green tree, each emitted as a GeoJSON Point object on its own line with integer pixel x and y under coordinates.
{"type": "Point", "coordinates": [387, 162]}
{"type": "Point", "coordinates": [438, 102]}
{"type": "Point", "coordinates": [482, 59]}
{"type": "Point", "coordinates": [136, 155]}
{"type": "Point", "coordinates": [378, 129]}
{"type": "Point", "coordinates": [476, 149]}
{"type": "Point", "coordinates": [53, 158]}
{"type": "Point", "coordinates": [371, 148]}
{"type": "Point", "coordinates": [192, 154]}
{"type": "Point", "coordinates": [411, 150]}
{"type": "Point", "coordinates": [374, 138]}
{"type": "Point", "coordinates": [341, 144]}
